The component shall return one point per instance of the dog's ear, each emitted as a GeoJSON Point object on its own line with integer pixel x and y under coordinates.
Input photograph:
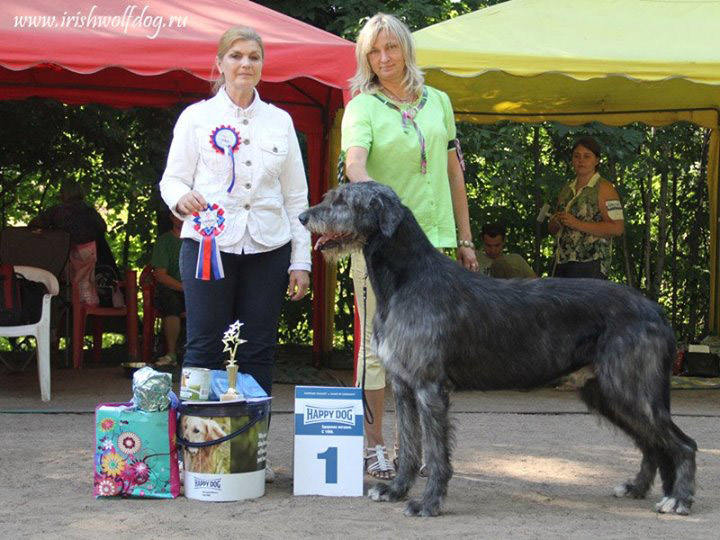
{"type": "Point", "coordinates": [214, 431]}
{"type": "Point", "coordinates": [388, 216]}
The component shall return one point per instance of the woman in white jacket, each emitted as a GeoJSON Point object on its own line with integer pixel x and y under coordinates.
{"type": "Point", "coordinates": [236, 178]}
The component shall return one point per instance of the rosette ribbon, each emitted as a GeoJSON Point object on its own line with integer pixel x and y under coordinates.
{"type": "Point", "coordinates": [225, 140]}
{"type": "Point", "coordinates": [209, 223]}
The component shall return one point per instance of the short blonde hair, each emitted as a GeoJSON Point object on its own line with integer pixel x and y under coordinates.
{"type": "Point", "coordinates": [365, 80]}
{"type": "Point", "coordinates": [231, 35]}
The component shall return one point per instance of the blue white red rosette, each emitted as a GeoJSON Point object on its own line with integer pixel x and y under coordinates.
{"type": "Point", "coordinates": [225, 140]}
{"type": "Point", "coordinates": [209, 223]}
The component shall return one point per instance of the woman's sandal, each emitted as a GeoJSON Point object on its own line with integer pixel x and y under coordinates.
{"type": "Point", "coordinates": [378, 465]}
{"type": "Point", "coordinates": [423, 472]}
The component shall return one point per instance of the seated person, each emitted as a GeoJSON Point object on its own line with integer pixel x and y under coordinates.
{"type": "Point", "coordinates": [493, 262]}
{"type": "Point", "coordinates": [169, 296]}
{"type": "Point", "coordinates": [74, 215]}
{"type": "Point", "coordinates": [88, 246]}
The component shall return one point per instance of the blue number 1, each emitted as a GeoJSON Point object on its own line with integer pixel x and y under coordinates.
{"type": "Point", "coordinates": [330, 457]}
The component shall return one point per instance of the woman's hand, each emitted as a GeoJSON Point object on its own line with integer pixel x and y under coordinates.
{"type": "Point", "coordinates": [466, 257]}
{"type": "Point", "coordinates": [191, 202]}
{"type": "Point", "coordinates": [299, 284]}
{"type": "Point", "coordinates": [566, 219]}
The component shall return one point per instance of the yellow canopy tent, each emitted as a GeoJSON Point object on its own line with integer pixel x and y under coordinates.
{"type": "Point", "coordinates": [578, 61]}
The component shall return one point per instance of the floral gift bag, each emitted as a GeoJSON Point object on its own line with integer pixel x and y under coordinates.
{"type": "Point", "coordinates": [135, 452]}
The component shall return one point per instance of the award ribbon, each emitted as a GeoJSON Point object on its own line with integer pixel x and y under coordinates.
{"type": "Point", "coordinates": [209, 223]}
{"type": "Point", "coordinates": [225, 140]}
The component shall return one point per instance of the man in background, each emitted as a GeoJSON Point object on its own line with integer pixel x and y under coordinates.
{"type": "Point", "coordinates": [493, 262]}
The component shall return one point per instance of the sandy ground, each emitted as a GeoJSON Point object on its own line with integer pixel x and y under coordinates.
{"type": "Point", "coordinates": [527, 465]}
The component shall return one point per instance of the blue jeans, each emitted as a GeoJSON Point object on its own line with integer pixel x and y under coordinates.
{"type": "Point", "coordinates": [252, 292]}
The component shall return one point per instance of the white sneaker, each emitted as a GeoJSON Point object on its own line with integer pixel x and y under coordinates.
{"type": "Point", "coordinates": [269, 473]}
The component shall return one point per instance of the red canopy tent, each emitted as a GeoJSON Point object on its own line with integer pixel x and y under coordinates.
{"type": "Point", "coordinates": [161, 52]}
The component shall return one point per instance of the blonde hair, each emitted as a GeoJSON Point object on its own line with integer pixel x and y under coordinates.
{"type": "Point", "coordinates": [365, 80]}
{"type": "Point", "coordinates": [231, 35]}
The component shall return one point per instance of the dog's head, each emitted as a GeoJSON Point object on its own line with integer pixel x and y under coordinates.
{"type": "Point", "coordinates": [195, 429]}
{"type": "Point", "coordinates": [350, 214]}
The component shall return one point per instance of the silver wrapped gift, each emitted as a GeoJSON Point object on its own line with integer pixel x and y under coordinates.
{"type": "Point", "coordinates": [151, 389]}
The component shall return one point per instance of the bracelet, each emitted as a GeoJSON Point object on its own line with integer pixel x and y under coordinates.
{"type": "Point", "coordinates": [466, 243]}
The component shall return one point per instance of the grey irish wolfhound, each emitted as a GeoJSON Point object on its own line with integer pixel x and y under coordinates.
{"type": "Point", "coordinates": [438, 325]}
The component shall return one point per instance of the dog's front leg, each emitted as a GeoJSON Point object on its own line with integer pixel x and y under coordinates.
{"type": "Point", "coordinates": [409, 445]}
{"type": "Point", "coordinates": [433, 404]}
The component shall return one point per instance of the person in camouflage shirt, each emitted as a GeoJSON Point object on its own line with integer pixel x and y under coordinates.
{"type": "Point", "coordinates": [588, 215]}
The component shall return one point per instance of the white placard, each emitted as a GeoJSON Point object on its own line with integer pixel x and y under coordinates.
{"type": "Point", "coordinates": [328, 448]}
{"type": "Point", "coordinates": [543, 213]}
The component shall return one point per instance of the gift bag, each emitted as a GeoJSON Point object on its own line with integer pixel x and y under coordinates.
{"type": "Point", "coordinates": [135, 452]}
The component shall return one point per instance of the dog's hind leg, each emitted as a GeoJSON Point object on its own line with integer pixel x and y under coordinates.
{"type": "Point", "coordinates": [433, 403]}
{"type": "Point", "coordinates": [638, 488]}
{"type": "Point", "coordinates": [667, 472]}
{"type": "Point", "coordinates": [662, 443]}
{"type": "Point", "coordinates": [677, 468]}
{"type": "Point", "coordinates": [409, 445]}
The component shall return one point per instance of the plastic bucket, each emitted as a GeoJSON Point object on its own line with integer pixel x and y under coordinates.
{"type": "Point", "coordinates": [224, 449]}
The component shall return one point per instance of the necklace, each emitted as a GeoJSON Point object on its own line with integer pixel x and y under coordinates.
{"type": "Point", "coordinates": [408, 117]}
{"type": "Point", "coordinates": [393, 95]}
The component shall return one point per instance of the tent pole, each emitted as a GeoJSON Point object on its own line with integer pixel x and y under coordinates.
{"type": "Point", "coordinates": [713, 163]}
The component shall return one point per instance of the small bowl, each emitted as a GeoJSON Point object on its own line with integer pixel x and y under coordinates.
{"type": "Point", "coordinates": [129, 368]}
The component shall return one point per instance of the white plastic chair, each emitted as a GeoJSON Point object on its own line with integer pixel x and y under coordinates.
{"type": "Point", "coordinates": [41, 329]}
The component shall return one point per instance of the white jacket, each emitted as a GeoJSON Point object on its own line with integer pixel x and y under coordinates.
{"type": "Point", "coordinates": [270, 190]}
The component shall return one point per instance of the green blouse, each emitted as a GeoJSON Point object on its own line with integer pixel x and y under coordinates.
{"type": "Point", "coordinates": [394, 156]}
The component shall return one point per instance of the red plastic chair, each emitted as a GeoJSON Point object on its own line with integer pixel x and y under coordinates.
{"type": "Point", "coordinates": [129, 311]}
{"type": "Point", "coordinates": [150, 316]}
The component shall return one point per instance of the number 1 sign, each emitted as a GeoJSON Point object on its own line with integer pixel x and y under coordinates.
{"type": "Point", "coordinates": [328, 441]}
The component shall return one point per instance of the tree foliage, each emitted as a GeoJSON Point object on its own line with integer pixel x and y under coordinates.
{"type": "Point", "coordinates": [117, 155]}
{"type": "Point", "coordinates": [512, 170]}
{"type": "Point", "coordinates": [346, 18]}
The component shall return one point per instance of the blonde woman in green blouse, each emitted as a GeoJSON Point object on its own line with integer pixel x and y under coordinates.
{"type": "Point", "coordinates": [401, 133]}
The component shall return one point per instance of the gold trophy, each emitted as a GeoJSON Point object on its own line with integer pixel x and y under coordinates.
{"type": "Point", "coordinates": [232, 340]}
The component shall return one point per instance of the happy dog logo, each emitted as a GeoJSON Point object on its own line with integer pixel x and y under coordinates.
{"type": "Point", "coordinates": [340, 415]}
{"type": "Point", "coordinates": [211, 484]}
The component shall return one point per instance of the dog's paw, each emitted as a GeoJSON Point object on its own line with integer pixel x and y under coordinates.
{"type": "Point", "coordinates": [671, 505]}
{"type": "Point", "coordinates": [416, 508]}
{"type": "Point", "coordinates": [379, 493]}
{"type": "Point", "coordinates": [628, 489]}
{"type": "Point", "coordinates": [623, 490]}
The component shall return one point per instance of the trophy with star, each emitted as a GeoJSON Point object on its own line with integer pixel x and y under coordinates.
{"type": "Point", "coordinates": [232, 341]}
